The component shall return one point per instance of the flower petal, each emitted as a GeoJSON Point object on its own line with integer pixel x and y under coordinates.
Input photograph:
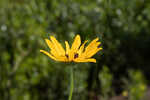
{"type": "Point", "coordinates": [82, 48]}
{"type": "Point", "coordinates": [91, 53]}
{"type": "Point", "coordinates": [57, 46]}
{"type": "Point", "coordinates": [68, 52]}
{"type": "Point", "coordinates": [67, 47]}
{"type": "Point", "coordinates": [53, 51]}
{"type": "Point", "coordinates": [48, 54]}
{"type": "Point", "coordinates": [58, 58]}
{"type": "Point", "coordinates": [49, 43]}
{"type": "Point", "coordinates": [85, 60]}
{"type": "Point", "coordinates": [76, 44]}
{"type": "Point", "coordinates": [91, 45]}
{"type": "Point", "coordinates": [92, 48]}
{"type": "Point", "coordinates": [62, 58]}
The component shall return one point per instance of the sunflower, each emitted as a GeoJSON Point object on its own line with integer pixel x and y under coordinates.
{"type": "Point", "coordinates": [75, 53]}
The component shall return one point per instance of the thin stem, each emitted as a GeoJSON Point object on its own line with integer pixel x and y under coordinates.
{"type": "Point", "coordinates": [71, 84]}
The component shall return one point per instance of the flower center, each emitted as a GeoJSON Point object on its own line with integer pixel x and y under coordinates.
{"type": "Point", "coordinates": [76, 55]}
{"type": "Point", "coordinates": [67, 55]}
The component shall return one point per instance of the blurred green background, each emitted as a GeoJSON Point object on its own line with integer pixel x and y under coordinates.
{"type": "Point", "coordinates": [122, 68]}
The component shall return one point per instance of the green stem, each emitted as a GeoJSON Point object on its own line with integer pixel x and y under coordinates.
{"type": "Point", "coordinates": [71, 84]}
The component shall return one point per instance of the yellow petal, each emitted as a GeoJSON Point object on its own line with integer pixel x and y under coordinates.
{"type": "Point", "coordinates": [54, 51]}
{"type": "Point", "coordinates": [85, 60]}
{"type": "Point", "coordinates": [76, 43]}
{"type": "Point", "coordinates": [62, 58]}
{"type": "Point", "coordinates": [94, 46]}
{"type": "Point", "coordinates": [82, 48]}
{"type": "Point", "coordinates": [57, 46]}
{"type": "Point", "coordinates": [67, 47]}
{"type": "Point", "coordinates": [48, 54]}
{"type": "Point", "coordinates": [58, 58]}
{"type": "Point", "coordinates": [71, 55]}
{"type": "Point", "coordinates": [91, 53]}
{"type": "Point", "coordinates": [68, 52]}
{"type": "Point", "coordinates": [49, 43]}
{"type": "Point", "coordinates": [90, 46]}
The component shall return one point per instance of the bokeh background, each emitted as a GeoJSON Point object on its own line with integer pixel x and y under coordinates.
{"type": "Point", "coordinates": [123, 66]}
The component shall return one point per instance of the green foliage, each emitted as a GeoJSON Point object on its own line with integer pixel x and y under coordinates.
{"type": "Point", "coordinates": [121, 25]}
{"type": "Point", "coordinates": [136, 85]}
{"type": "Point", "coordinates": [106, 82]}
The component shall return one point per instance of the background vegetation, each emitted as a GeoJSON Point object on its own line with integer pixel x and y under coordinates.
{"type": "Point", "coordinates": [122, 68]}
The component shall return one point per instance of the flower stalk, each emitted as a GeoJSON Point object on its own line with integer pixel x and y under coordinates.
{"type": "Point", "coordinates": [71, 84]}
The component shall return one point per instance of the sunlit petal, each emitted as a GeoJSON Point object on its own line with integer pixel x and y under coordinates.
{"type": "Point", "coordinates": [48, 54]}
{"type": "Point", "coordinates": [62, 58]}
{"type": "Point", "coordinates": [57, 45]}
{"type": "Point", "coordinates": [67, 47]}
{"type": "Point", "coordinates": [50, 44]}
{"type": "Point", "coordinates": [91, 53]}
{"type": "Point", "coordinates": [54, 53]}
{"type": "Point", "coordinates": [69, 54]}
{"type": "Point", "coordinates": [85, 60]}
{"type": "Point", "coordinates": [76, 44]}
{"type": "Point", "coordinates": [82, 47]}
{"type": "Point", "coordinates": [91, 45]}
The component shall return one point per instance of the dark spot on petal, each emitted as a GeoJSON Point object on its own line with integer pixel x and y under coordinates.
{"type": "Point", "coordinates": [76, 55]}
{"type": "Point", "coordinates": [67, 55]}
{"type": "Point", "coordinates": [99, 46]}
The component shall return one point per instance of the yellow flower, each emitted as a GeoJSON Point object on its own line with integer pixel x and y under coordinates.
{"type": "Point", "coordinates": [77, 53]}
